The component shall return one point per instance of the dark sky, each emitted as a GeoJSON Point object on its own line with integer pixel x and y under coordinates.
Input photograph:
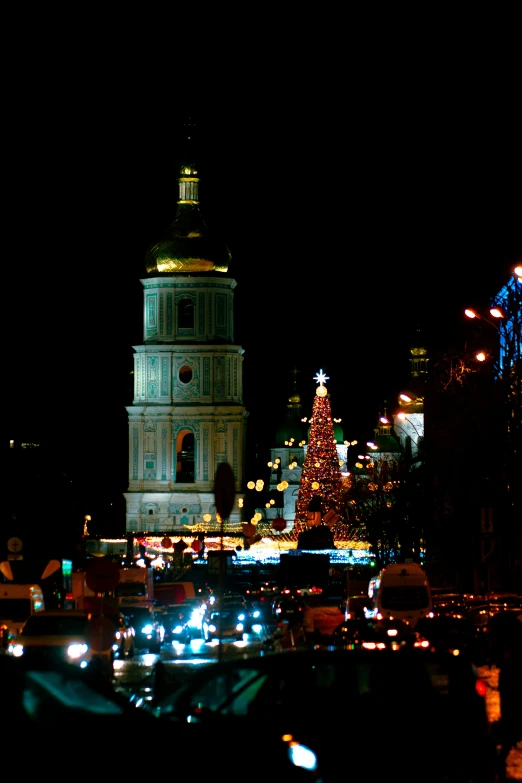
{"type": "Point", "coordinates": [355, 214]}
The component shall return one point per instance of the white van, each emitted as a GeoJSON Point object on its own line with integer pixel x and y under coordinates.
{"type": "Point", "coordinates": [17, 603]}
{"type": "Point", "coordinates": [401, 592]}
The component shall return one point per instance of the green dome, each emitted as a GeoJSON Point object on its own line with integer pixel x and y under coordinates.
{"type": "Point", "coordinates": [291, 429]}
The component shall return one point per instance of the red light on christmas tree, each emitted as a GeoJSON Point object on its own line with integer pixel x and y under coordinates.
{"type": "Point", "coordinates": [321, 473]}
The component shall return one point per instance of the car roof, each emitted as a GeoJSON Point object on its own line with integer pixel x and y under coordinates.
{"type": "Point", "coordinates": [61, 613]}
{"type": "Point", "coordinates": [388, 661]}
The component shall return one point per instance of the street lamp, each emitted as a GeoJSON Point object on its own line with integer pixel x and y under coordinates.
{"type": "Point", "coordinates": [494, 312]}
{"type": "Point", "coordinates": [505, 307]}
{"type": "Point", "coordinates": [505, 316]}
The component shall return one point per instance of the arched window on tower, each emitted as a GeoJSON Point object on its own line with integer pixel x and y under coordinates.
{"type": "Point", "coordinates": [185, 458]}
{"type": "Point", "coordinates": [186, 314]}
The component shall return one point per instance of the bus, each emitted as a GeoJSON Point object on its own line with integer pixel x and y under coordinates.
{"type": "Point", "coordinates": [400, 591]}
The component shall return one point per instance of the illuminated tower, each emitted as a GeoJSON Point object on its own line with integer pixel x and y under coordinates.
{"type": "Point", "coordinates": [187, 414]}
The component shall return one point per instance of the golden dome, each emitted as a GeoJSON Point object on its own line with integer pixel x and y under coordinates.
{"type": "Point", "coordinates": [188, 245]}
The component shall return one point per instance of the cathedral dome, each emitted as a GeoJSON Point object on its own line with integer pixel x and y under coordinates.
{"type": "Point", "coordinates": [292, 431]}
{"type": "Point", "coordinates": [188, 246]}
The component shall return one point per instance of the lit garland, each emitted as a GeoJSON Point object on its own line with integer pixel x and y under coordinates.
{"type": "Point", "coordinates": [267, 550]}
{"type": "Point", "coordinates": [321, 473]}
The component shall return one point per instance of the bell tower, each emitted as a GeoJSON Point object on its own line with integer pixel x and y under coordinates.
{"type": "Point", "coordinates": [187, 414]}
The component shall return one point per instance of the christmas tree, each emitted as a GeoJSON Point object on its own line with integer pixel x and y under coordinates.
{"type": "Point", "coordinates": [321, 474]}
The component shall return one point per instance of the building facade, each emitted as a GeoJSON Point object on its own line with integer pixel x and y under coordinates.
{"type": "Point", "coordinates": [187, 414]}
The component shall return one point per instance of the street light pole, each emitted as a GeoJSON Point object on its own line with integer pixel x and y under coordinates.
{"type": "Point", "coordinates": [506, 318]}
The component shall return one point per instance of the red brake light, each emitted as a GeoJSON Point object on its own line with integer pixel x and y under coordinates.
{"type": "Point", "coordinates": [481, 687]}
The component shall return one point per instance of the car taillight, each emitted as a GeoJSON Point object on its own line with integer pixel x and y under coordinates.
{"type": "Point", "coordinates": [481, 687]}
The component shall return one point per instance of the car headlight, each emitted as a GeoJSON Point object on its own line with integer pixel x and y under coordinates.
{"type": "Point", "coordinates": [147, 628]}
{"type": "Point", "coordinates": [240, 627]}
{"type": "Point", "coordinates": [302, 756]}
{"type": "Point", "coordinates": [177, 629]}
{"type": "Point", "coordinates": [241, 617]}
{"type": "Point", "coordinates": [256, 614]}
{"type": "Point", "coordinates": [17, 650]}
{"type": "Point", "coordinates": [77, 649]}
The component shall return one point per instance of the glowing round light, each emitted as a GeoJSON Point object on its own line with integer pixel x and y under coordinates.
{"type": "Point", "coordinates": [315, 485]}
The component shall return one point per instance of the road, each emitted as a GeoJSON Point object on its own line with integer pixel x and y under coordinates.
{"type": "Point", "coordinates": [137, 675]}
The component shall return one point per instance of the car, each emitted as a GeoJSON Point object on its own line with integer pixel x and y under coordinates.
{"type": "Point", "coordinates": [148, 628]}
{"type": "Point", "coordinates": [261, 615]}
{"type": "Point", "coordinates": [229, 619]}
{"type": "Point", "coordinates": [184, 621]}
{"type": "Point", "coordinates": [448, 603]}
{"type": "Point", "coordinates": [124, 645]}
{"type": "Point", "coordinates": [317, 709]}
{"type": "Point", "coordinates": [237, 601]}
{"type": "Point", "coordinates": [227, 598]}
{"type": "Point", "coordinates": [504, 628]}
{"type": "Point", "coordinates": [322, 613]}
{"type": "Point", "coordinates": [374, 634]}
{"type": "Point", "coordinates": [358, 606]}
{"type": "Point", "coordinates": [53, 638]}
{"type": "Point", "coordinates": [451, 632]}
{"type": "Point", "coordinates": [289, 608]}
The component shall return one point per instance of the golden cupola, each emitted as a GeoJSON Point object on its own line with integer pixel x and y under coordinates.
{"type": "Point", "coordinates": [188, 246]}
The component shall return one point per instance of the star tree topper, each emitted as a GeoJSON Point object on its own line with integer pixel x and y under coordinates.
{"type": "Point", "coordinates": [320, 378]}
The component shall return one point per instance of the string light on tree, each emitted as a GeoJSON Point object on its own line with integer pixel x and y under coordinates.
{"type": "Point", "coordinates": [321, 473]}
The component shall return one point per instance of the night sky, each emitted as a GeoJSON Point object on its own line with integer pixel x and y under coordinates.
{"type": "Point", "coordinates": [354, 215]}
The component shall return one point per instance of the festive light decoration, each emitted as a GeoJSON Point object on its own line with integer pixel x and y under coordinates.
{"type": "Point", "coordinates": [279, 524]}
{"type": "Point", "coordinates": [321, 473]}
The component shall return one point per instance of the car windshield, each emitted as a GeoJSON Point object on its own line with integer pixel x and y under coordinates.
{"type": "Point", "coordinates": [55, 625]}
{"type": "Point", "coordinates": [230, 609]}
{"type": "Point", "coordinates": [138, 614]}
{"type": "Point", "coordinates": [15, 608]}
{"type": "Point", "coordinates": [404, 598]}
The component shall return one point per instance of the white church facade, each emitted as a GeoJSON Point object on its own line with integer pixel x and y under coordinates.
{"type": "Point", "coordinates": [187, 414]}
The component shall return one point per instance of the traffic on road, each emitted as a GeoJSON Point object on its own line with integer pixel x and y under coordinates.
{"type": "Point", "coordinates": [286, 661]}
